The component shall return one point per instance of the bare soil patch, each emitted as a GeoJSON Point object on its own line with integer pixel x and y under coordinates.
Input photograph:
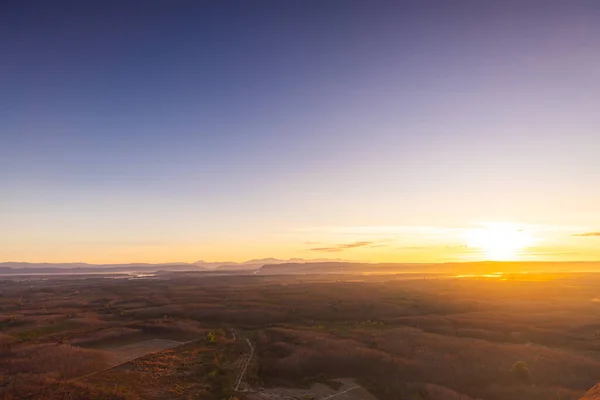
{"type": "Point", "coordinates": [348, 390]}
{"type": "Point", "coordinates": [134, 350]}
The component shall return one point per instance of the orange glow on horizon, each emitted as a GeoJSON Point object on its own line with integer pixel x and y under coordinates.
{"type": "Point", "coordinates": [500, 241]}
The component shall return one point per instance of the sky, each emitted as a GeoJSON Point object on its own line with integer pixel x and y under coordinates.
{"type": "Point", "coordinates": [418, 131]}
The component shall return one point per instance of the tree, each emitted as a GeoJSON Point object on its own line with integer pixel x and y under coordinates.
{"type": "Point", "coordinates": [211, 337]}
{"type": "Point", "coordinates": [521, 373]}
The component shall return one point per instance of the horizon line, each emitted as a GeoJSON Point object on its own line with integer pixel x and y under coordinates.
{"type": "Point", "coordinates": [289, 261]}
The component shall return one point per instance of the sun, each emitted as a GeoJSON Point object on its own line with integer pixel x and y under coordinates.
{"type": "Point", "coordinates": [499, 241]}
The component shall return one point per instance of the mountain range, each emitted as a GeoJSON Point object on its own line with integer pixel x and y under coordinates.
{"type": "Point", "coordinates": [86, 268]}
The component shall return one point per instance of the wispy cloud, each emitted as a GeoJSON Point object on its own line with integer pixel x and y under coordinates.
{"type": "Point", "coordinates": [342, 247]}
{"type": "Point", "coordinates": [587, 234]}
{"type": "Point", "coordinates": [380, 230]}
{"type": "Point", "coordinates": [431, 230]}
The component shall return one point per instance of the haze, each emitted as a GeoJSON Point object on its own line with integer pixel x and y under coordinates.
{"type": "Point", "coordinates": [396, 131]}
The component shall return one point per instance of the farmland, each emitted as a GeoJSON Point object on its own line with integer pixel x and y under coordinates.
{"type": "Point", "coordinates": [304, 336]}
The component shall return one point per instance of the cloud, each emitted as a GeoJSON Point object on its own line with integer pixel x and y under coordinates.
{"type": "Point", "coordinates": [587, 234]}
{"type": "Point", "coordinates": [342, 247]}
{"type": "Point", "coordinates": [387, 230]}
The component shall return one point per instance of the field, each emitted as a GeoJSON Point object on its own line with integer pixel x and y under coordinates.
{"type": "Point", "coordinates": [202, 336]}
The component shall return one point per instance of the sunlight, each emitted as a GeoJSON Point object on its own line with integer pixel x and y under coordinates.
{"type": "Point", "coordinates": [500, 241]}
{"type": "Point", "coordinates": [495, 275]}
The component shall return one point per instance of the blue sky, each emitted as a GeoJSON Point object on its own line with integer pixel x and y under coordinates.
{"type": "Point", "coordinates": [233, 130]}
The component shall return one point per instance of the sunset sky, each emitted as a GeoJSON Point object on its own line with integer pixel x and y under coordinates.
{"type": "Point", "coordinates": [162, 131]}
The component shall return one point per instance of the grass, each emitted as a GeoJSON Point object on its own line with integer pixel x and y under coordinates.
{"type": "Point", "coordinates": [44, 331]}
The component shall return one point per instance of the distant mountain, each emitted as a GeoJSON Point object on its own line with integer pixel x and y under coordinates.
{"type": "Point", "coordinates": [15, 268]}
{"type": "Point", "coordinates": [82, 265]}
{"type": "Point", "coordinates": [239, 267]}
{"type": "Point", "coordinates": [257, 263]}
{"type": "Point", "coordinates": [212, 264]}
{"type": "Point", "coordinates": [336, 268]}
{"type": "Point", "coordinates": [21, 265]}
{"type": "Point", "coordinates": [289, 260]}
{"type": "Point", "coordinates": [274, 266]}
